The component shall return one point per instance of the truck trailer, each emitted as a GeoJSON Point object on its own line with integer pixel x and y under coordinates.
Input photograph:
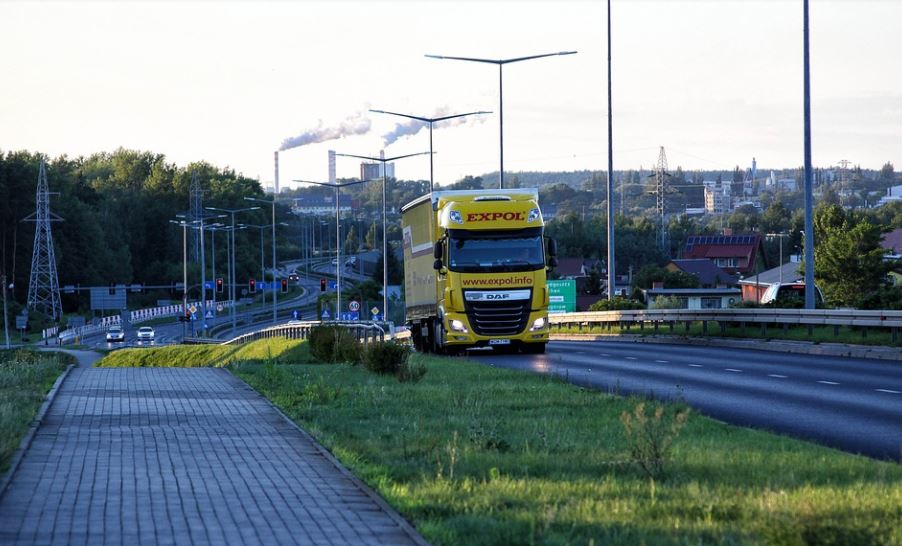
{"type": "Point", "coordinates": [475, 264]}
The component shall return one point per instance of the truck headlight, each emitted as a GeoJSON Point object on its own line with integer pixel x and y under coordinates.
{"type": "Point", "coordinates": [538, 324]}
{"type": "Point", "coordinates": [456, 217]}
{"type": "Point", "coordinates": [458, 326]}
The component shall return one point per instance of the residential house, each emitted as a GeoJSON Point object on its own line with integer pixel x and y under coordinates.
{"type": "Point", "coordinates": [754, 286]}
{"type": "Point", "coordinates": [709, 275]}
{"type": "Point", "coordinates": [695, 298]}
{"type": "Point", "coordinates": [735, 254]}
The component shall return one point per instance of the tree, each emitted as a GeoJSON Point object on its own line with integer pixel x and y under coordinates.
{"type": "Point", "coordinates": [351, 243]}
{"type": "Point", "coordinates": [395, 269]}
{"type": "Point", "coordinates": [648, 275]}
{"type": "Point", "coordinates": [849, 262]}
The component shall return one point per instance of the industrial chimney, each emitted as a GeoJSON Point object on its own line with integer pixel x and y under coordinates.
{"type": "Point", "coordinates": [275, 184]}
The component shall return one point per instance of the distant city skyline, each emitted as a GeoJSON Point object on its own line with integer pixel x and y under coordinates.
{"type": "Point", "coordinates": [715, 83]}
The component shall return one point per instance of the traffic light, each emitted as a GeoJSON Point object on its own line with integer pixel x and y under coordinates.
{"type": "Point", "coordinates": [252, 286]}
{"type": "Point", "coordinates": [219, 285]}
{"type": "Point", "coordinates": [112, 289]}
{"type": "Point", "coordinates": [284, 285]}
{"type": "Point", "coordinates": [322, 285]}
{"type": "Point", "coordinates": [186, 317]}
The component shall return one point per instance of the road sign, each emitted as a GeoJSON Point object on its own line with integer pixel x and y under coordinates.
{"type": "Point", "coordinates": [209, 315]}
{"type": "Point", "coordinates": [296, 315]}
{"type": "Point", "coordinates": [219, 307]}
{"type": "Point", "coordinates": [208, 285]}
{"type": "Point", "coordinates": [354, 306]}
{"type": "Point", "coordinates": [562, 296]}
{"type": "Point", "coordinates": [21, 322]}
{"type": "Point", "coordinates": [193, 309]}
{"type": "Point", "coordinates": [333, 285]}
{"type": "Point", "coordinates": [374, 310]}
{"type": "Point", "coordinates": [350, 315]}
{"type": "Point", "coordinates": [261, 285]}
{"type": "Point", "coordinates": [325, 314]}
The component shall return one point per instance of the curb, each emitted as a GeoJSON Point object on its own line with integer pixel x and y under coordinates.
{"type": "Point", "coordinates": [405, 525]}
{"type": "Point", "coordinates": [33, 429]}
{"type": "Point", "coordinates": [873, 352]}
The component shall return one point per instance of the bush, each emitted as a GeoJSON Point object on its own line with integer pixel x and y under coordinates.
{"type": "Point", "coordinates": [387, 358]}
{"type": "Point", "coordinates": [616, 304]}
{"type": "Point", "coordinates": [650, 437]}
{"type": "Point", "coordinates": [411, 372]}
{"type": "Point", "coordinates": [334, 344]}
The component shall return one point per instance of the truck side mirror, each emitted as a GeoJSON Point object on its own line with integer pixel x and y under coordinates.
{"type": "Point", "coordinates": [438, 250]}
{"type": "Point", "coordinates": [552, 262]}
{"type": "Point", "coordinates": [552, 248]}
{"type": "Point", "coordinates": [437, 264]}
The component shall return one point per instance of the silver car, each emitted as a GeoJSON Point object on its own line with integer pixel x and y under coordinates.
{"type": "Point", "coordinates": [115, 333]}
{"type": "Point", "coordinates": [145, 333]}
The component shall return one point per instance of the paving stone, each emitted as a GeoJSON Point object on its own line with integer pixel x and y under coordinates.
{"type": "Point", "coordinates": [181, 456]}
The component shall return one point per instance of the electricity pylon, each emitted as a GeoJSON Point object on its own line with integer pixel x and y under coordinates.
{"type": "Point", "coordinates": [43, 287]}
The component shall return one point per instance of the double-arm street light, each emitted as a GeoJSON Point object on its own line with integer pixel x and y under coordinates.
{"type": "Point", "coordinates": [337, 187]}
{"type": "Point", "coordinates": [384, 161]}
{"type": "Point", "coordinates": [275, 293]}
{"type": "Point", "coordinates": [232, 213]}
{"type": "Point", "coordinates": [501, 63]}
{"type": "Point", "coordinates": [431, 122]}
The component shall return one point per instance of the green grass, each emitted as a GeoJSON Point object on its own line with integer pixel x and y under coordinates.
{"type": "Point", "coordinates": [820, 334]}
{"type": "Point", "coordinates": [25, 378]}
{"type": "Point", "coordinates": [191, 356]}
{"type": "Point", "coordinates": [478, 455]}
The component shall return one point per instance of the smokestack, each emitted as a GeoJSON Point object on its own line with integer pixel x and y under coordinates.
{"type": "Point", "coordinates": [275, 184]}
{"type": "Point", "coordinates": [382, 164]}
{"type": "Point", "coordinates": [332, 177]}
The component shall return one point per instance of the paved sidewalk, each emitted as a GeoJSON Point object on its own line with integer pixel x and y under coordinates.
{"type": "Point", "coordinates": [182, 456]}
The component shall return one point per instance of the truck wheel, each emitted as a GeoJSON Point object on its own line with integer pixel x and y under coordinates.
{"type": "Point", "coordinates": [534, 348]}
{"type": "Point", "coordinates": [437, 333]}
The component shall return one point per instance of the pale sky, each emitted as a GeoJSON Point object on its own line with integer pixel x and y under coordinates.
{"type": "Point", "coordinates": [715, 82]}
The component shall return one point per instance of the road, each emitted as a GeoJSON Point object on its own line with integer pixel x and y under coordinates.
{"type": "Point", "coordinates": [851, 404]}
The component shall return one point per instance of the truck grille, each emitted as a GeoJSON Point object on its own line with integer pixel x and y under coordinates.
{"type": "Point", "coordinates": [498, 318]}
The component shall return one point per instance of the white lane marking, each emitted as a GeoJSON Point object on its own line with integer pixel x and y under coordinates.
{"type": "Point", "coordinates": [605, 354]}
{"type": "Point", "coordinates": [696, 366]}
{"type": "Point", "coordinates": [733, 370]}
{"type": "Point", "coordinates": [888, 391]}
{"type": "Point", "coordinates": [631, 358]}
{"type": "Point", "coordinates": [662, 361]}
{"type": "Point", "coordinates": [828, 382]}
{"type": "Point", "coordinates": [778, 376]}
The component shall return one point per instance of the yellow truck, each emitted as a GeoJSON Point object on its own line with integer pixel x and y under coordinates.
{"type": "Point", "coordinates": [475, 264]}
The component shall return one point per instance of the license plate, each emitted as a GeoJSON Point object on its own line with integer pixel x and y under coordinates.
{"type": "Point", "coordinates": [499, 342]}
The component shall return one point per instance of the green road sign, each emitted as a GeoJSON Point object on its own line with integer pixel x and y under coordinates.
{"type": "Point", "coordinates": [562, 296]}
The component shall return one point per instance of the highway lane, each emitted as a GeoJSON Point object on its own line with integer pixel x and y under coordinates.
{"type": "Point", "coordinates": [850, 404]}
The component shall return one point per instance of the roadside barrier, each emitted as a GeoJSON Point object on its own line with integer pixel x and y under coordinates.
{"type": "Point", "coordinates": [759, 318]}
{"type": "Point", "coordinates": [366, 332]}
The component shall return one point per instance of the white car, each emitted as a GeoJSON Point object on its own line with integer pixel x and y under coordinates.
{"type": "Point", "coordinates": [115, 333]}
{"type": "Point", "coordinates": [145, 333]}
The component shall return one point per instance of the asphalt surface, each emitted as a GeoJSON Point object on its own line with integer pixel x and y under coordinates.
{"type": "Point", "coordinates": [850, 404]}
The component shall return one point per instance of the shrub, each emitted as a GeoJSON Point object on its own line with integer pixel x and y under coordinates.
{"type": "Point", "coordinates": [387, 358]}
{"type": "Point", "coordinates": [334, 344]}
{"type": "Point", "coordinates": [411, 372]}
{"type": "Point", "coordinates": [616, 304]}
{"type": "Point", "coordinates": [650, 437]}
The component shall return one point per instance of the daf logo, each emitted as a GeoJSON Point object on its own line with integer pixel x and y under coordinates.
{"type": "Point", "coordinates": [497, 296]}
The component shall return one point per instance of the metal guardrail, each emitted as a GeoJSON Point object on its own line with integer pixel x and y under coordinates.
{"type": "Point", "coordinates": [891, 320]}
{"type": "Point", "coordinates": [366, 332]}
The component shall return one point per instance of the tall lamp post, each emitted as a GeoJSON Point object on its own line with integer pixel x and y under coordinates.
{"type": "Point", "coordinates": [384, 161]}
{"type": "Point", "coordinates": [612, 273]}
{"type": "Point", "coordinates": [213, 228]}
{"type": "Point", "coordinates": [261, 227]}
{"type": "Point", "coordinates": [232, 213]}
{"type": "Point", "coordinates": [275, 293]}
{"type": "Point", "coordinates": [501, 63]}
{"type": "Point", "coordinates": [337, 187]}
{"type": "Point", "coordinates": [809, 200]}
{"type": "Point", "coordinates": [184, 225]}
{"type": "Point", "coordinates": [431, 122]}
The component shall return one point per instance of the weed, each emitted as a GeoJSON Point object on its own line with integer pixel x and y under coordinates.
{"type": "Point", "coordinates": [650, 437]}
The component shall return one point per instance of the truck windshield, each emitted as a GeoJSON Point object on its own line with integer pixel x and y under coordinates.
{"type": "Point", "coordinates": [470, 255]}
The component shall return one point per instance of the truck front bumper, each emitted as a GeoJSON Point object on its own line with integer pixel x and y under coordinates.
{"type": "Point", "coordinates": [455, 336]}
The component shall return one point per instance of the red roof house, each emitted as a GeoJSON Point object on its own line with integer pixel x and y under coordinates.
{"type": "Point", "coordinates": [735, 254]}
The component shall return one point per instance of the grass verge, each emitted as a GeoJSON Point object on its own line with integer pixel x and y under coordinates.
{"type": "Point", "coordinates": [191, 356]}
{"type": "Point", "coordinates": [25, 378]}
{"type": "Point", "coordinates": [478, 455]}
{"type": "Point", "coordinates": [820, 334]}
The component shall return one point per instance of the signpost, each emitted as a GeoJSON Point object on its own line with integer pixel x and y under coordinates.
{"type": "Point", "coordinates": [562, 296]}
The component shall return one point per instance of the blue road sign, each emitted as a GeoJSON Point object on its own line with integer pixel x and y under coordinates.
{"type": "Point", "coordinates": [208, 285]}
{"type": "Point", "coordinates": [333, 285]}
{"type": "Point", "coordinates": [296, 314]}
{"type": "Point", "coordinates": [350, 315]}
{"type": "Point", "coordinates": [261, 285]}
{"type": "Point", "coordinates": [325, 314]}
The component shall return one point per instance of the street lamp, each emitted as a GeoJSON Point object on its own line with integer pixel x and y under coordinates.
{"type": "Point", "coordinates": [261, 227]}
{"type": "Point", "coordinates": [213, 228]}
{"type": "Point", "coordinates": [184, 225]}
{"type": "Point", "coordinates": [275, 293]}
{"type": "Point", "coordinates": [431, 122]}
{"type": "Point", "coordinates": [781, 236]}
{"type": "Point", "coordinates": [232, 213]}
{"type": "Point", "coordinates": [384, 161]}
{"type": "Point", "coordinates": [501, 63]}
{"type": "Point", "coordinates": [337, 187]}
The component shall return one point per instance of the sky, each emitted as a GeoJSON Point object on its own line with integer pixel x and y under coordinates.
{"type": "Point", "coordinates": [715, 82]}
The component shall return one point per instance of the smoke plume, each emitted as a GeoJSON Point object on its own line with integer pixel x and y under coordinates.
{"type": "Point", "coordinates": [354, 125]}
{"type": "Point", "coordinates": [413, 126]}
